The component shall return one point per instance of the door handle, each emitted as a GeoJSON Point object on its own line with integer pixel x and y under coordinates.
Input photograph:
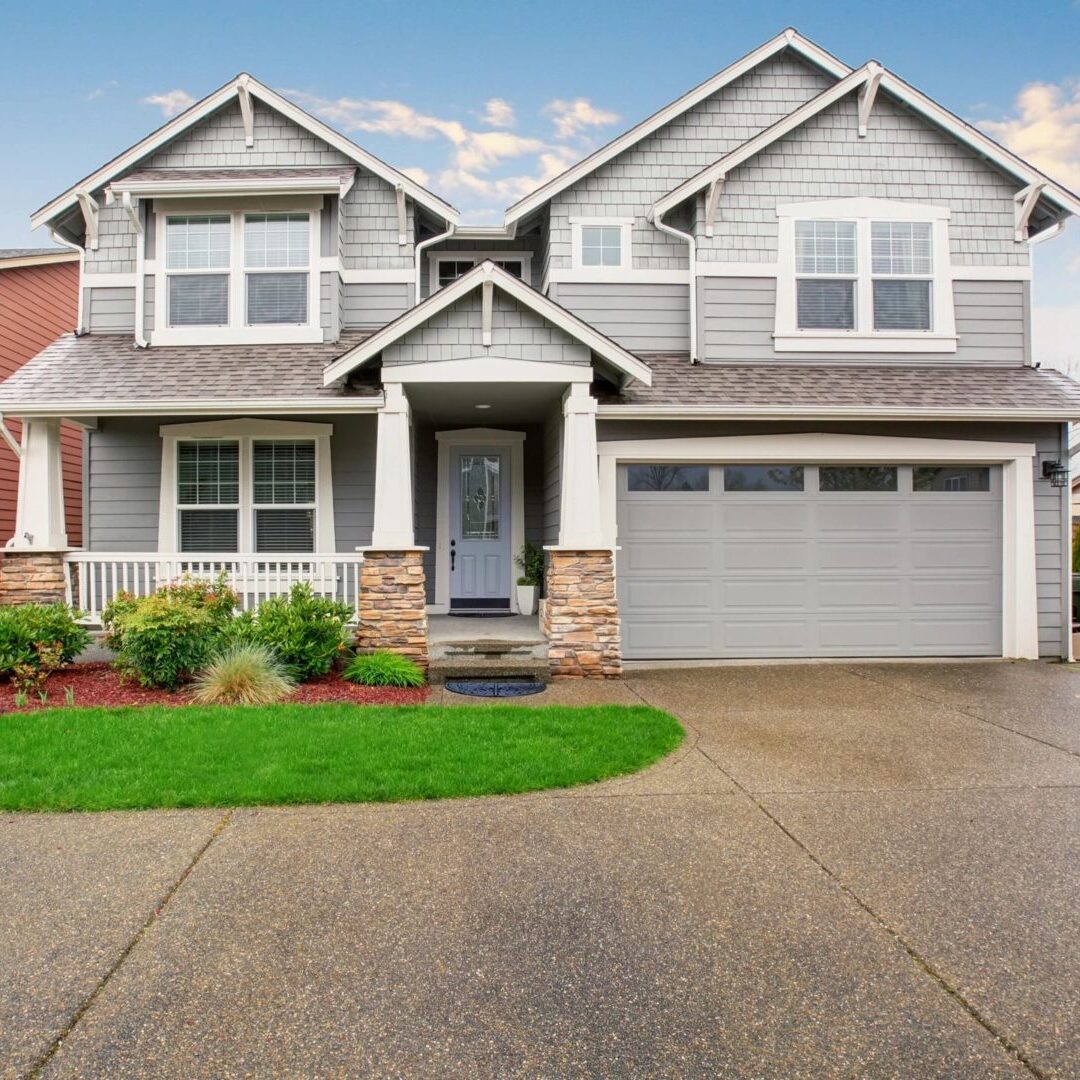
{"type": "Point", "coordinates": [453, 554]}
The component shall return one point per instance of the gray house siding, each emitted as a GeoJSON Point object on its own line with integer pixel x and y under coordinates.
{"type": "Point", "coordinates": [109, 310]}
{"type": "Point", "coordinates": [632, 181]}
{"type": "Point", "coordinates": [642, 318]}
{"type": "Point", "coordinates": [369, 227]}
{"type": "Point", "coordinates": [553, 435]}
{"type": "Point", "coordinates": [352, 466]}
{"type": "Point", "coordinates": [371, 305]}
{"type": "Point", "coordinates": [456, 333]}
{"type": "Point", "coordinates": [737, 320]}
{"type": "Point", "coordinates": [115, 253]}
{"type": "Point", "coordinates": [1051, 510]}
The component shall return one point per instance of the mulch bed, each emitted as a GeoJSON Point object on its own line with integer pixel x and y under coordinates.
{"type": "Point", "coordinates": [100, 684]}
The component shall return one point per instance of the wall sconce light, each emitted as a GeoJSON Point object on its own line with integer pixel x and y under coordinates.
{"type": "Point", "coordinates": [1056, 473]}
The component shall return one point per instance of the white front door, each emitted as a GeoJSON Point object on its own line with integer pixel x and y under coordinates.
{"type": "Point", "coordinates": [480, 557]}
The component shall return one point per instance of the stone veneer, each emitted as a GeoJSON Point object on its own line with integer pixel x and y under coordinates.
{"type": "Point", "coordinates": [32, 577]}
{"type": "Point", "coordinates": [581, 616]}
{"type": "Point", "coordinates": [393, 604]}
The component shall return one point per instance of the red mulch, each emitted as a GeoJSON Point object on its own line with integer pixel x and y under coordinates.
{"type": "Point", "coordinates": [100, 684]}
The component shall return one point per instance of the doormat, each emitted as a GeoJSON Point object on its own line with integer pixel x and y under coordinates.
{"type": "Point", "coordinates": [519, 687]}
{"type": "Point", "coordinates": [467, 614]}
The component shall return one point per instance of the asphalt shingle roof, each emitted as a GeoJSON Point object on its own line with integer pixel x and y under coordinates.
{"type": "Point", "coordinates": [956, 388]}
{"type": "Point", "coordinates": [108, 367]}
{"type": "Point", "coordinates": [332, 172]}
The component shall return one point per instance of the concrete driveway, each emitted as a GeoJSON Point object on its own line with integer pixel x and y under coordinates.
{"type": "Point", "coordinates": [848, 871]}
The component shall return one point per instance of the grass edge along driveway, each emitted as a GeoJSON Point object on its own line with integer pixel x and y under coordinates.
{"type": "Point", "coordinates": [153, 756]}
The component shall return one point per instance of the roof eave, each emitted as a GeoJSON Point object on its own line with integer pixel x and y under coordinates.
{"type": "Point", "coordinates": [188, 407]}
{"type": "Point", "coordinates": [631, 411]}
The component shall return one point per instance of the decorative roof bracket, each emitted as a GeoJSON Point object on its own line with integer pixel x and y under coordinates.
{"type": "Point", "coordinates": [1024, 203]}
{"type": "Point", "coordinates": [868, 94]}
{"type": "Point", "coordinates": [243, 95]}
{"type": "Point", "coordinates": [487, 292]}
{"type": "Point", "coordinates": [89, 208]}
{"type": "Point", "coordinates": [131, 208]}
{"type": "Point", "coordinates": [712, 201]}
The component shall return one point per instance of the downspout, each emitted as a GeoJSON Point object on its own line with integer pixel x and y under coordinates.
{"type": "Point", "coordinates": [691, 256]}
{"type": "Point", "coordinates": [64, 242]}
{"type": "Point", "coordinates": [140, 269]}
{"type": "Point", "coordinates": [421, 247]}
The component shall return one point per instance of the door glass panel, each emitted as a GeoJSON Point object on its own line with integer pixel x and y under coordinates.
{"type": "Point", "coordinates": [763, 478]}
{"type": "Point", "coordinates": [480, 497]}
{"type": "Point", "coordinates": [951, 478]}
{"type": "Point", "coordinates": [667, 478]}
{"type": "Point", "coordinates": [858, 477]}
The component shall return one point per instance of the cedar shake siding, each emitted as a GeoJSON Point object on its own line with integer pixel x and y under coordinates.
{"type": "Point", "coordinates": [37, 305]}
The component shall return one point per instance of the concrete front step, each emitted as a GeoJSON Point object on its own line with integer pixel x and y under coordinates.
{"type": "Point", "coordinates": [488, 667]}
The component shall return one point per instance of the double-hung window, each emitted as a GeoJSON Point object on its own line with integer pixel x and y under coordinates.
{"type": "Point", "coordinates": [826, 266]}
{"type": "Point", "coordinates": [198, 259]}
{"type": "Point", "coordinates": [277, 258]}
{"type": "Point", "coordinates": [208, 494]}
{"type": "Point", "coordinates": [283, 494]}
{"type": "Point", "coordinates": [902, 265]}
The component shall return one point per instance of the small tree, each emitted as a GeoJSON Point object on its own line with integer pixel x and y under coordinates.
{"type": "Point", "coordinates": [531, 561]}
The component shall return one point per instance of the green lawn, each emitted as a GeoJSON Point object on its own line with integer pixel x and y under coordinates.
{"type": "Point", "coordinates": [136, 757]}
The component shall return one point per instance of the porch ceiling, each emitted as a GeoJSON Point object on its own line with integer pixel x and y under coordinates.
{"type": "Point", "coordinates": [455, 403]}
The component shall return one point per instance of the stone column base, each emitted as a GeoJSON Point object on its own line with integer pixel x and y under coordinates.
{"type": "Point", "coordinates": [581, 616]}
{"type": "Point", "coordinates": [32, 577]}
{"type": "Point", "coordinates": [393, 605]}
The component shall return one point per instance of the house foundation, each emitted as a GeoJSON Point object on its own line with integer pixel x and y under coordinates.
{"type": "Point", "coordinates": [581, 615]}
{"type": "Point", "coordinates": [392, 610]}
{"type": "Point", "coordinates": [32, 577]}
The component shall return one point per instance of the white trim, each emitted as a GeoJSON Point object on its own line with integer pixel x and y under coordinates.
{"type": "Point", "coordinates": [364, 277]}
{"type": "Point", "coordinates": [485, 369]}
{"type": "Point", "coordinates": [187, 407]}
{"type": "Point", "coordinates": [90, 280]}
{"type": "Point", "coordinates": [1020, 629]}
{"type": "Point", "coordinates": [618, 275]}
{"type": "Point", "coordinates": [830, 412]}
{"type": "Point", "coordinates": [179, 187]}
{"type": "Point", "coordinates": [787, 337]}
{"type": "Point", "coordinates": [519, 291]}
{"type": "Point", "coordinates": [788, 38]}
{"type": "Point", "coordinates": [513, 440]}
{"type": "Point", "coordinates": [246, 431]}
{"type": "Point", "coordinates": [959, 272]}
{"type": "Point", "coordinates": [476, 258]}
{"type": "Point", "coordinates": [16, 262]}
{"type": "Point", "coordinates": [209, 104]}
{"type": "Point", "coordinates": [625, 226]}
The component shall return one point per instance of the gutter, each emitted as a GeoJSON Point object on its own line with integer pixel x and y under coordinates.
{"type": "Point", "coordinates": [852, 412]}
{"type": "Point", "coordinates": [132, 210]}
{"type": "Point", "coordinates": [216, 407]}
{"type": "Point", "coordinates": [421, 247]}
{"type": "Point", "coordinates": [691, 255]}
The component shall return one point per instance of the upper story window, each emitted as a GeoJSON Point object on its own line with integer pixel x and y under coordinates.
{"type": "Point", "coordinates": [237, 277]}
{"type": "Point", "coordinates": [601, 245]}
{"type": "Point", "coordinates": [864, 275]}
{"type": "Point", "coordinates": [447, 267]}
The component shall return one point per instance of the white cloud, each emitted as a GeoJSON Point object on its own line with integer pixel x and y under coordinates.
{"type": "Point", "coordinates": [1045, 129]}
{"type": "Point", "coordinates": [550, 163]}
{"type": "Point", "coordinates": [499, 113]}
{"type": "Point", "coordinates": [171, 103]}
{"type": "Point", "coordinates": [393, 118]}
{"type": "Point", "coordinates": [572, 117]}
{"type": "Point", "coordinates": [100, 91]}
{"type": "Point", "coordinates": [421, 176]}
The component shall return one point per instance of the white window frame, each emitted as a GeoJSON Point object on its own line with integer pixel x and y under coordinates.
{"type": "Point", "coordinates": [475, 258]}
{"type": "Point", "coordinates": [246, 433]}
{"type": "Point", "coordinates": [237, 332]}
{"type": "Point", "coordinates": [626, 253]}
{"type": "Point", "coordinates": [233, 506]}
{"type": "Point", "coordinates": [941, 338]}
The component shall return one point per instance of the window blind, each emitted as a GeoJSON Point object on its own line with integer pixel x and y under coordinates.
{"type": "Point", "coordinates": [207, 473]}
{"type": "Point", "coordinates": [197, 243]}
{"type": "Point", "coordinates": [825, 247]}
{"type": "Point", "coordinates": [284, 530]}
{"type": "Point", "coordinates": [901, 247]}
{"type": "Point", "coordinates": [283, 472]}
{"type": "Point", "coordinates": [273, 241]}
{"type": "Point", "coordinates": [208, 530]}
{"type": "Point", "coordinates": [826, 304]}
{"type": "Point", "coordinates": [901, 305]}
{"type": "Point", "coordinates": [276, 298]}
{"type": "Point", "coordinates": [198, 299]}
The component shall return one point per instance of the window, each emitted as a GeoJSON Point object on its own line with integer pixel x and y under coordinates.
{"type": "Point", "coordinates": [827, 251]}
{"type": "Point", "coordinates": [902, 267]}
{"type": "Point", "coordinates": [857, 478]}
{"type": "Point", "coordinates": [601, 245]}
{"type": "Point", "coordinates": [951, 478]}
{"type": "Point", "coordinates": [273, 243]}
{"type": "Point", "coordinates": [208, 495]}
{"type": "Point", "coordinates": [864, 275]}
{"type": "Point", "coordinates": [763, 478]}
{"type": "Point", "coordinates": [194, 245]}
{"type": "Point", "coordinates": [283, 495]}
{"type": "Point", "coordinates": [447, 268]}
{"type": "Point", "coordinates": [667, 478]}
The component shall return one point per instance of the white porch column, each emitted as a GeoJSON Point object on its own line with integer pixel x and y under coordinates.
{"type": "Point", "coordinates": [579, 509]}
{"type": "Point", "coordinates": [39, 515]}
{"type": "Point", "coordinates": [393, 526]}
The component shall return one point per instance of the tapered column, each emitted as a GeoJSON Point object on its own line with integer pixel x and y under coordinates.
{"type": "Point", "coordinates": [393, 526]}
{"type": "Point", "coordinates": [39, 515]}
{"type": "Point", "coordinates": [579, 516]}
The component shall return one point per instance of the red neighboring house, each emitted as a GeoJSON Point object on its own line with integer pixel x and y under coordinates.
{"type": "Point", "coordinates": [39, 301]}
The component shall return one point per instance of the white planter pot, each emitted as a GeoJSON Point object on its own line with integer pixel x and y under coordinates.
{"type": "Point", "coordinates": [526, 598]}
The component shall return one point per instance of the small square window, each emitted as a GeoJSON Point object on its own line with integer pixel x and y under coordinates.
{"type": "Point", "coordinates": [601, 245]}
{"type": "Point", "coordinates": [951, 478]}
{"type": "Point", "coordinates": [858, 478]}
{"type": "Point", "coordinates": [763, 478]}
{"type": "Point", "coordinates": [668, 478]}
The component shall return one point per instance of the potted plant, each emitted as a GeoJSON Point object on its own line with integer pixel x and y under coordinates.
{"type": "Point", "coordinates": [531, 561]}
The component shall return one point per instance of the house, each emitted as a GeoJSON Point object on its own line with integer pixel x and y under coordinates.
{"type": "Point", "coordinates": [757, 373]}
{"type": "Point", "coordinates": [39, 289]}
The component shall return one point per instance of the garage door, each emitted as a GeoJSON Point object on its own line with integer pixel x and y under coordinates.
{"type": "Point", "coordinates": [817, 560]}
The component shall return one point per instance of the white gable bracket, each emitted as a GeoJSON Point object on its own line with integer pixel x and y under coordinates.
{"type": "Point", "coordinates": [89, 208]}
{"type": "Point", "coordinates": [868, 94]}
{"type": "Point", "coordinates": [399, 193]}
{"type": "Point", "coordinates": [243, 95]}
{"type": "Point", "coordinates": [1024, 203]}
{"type": "Point", "coordinates": [131, 208]}
{"type": "Point", "coordinates": [487, 291]}
{"type": "Point", "coordinates": [716, 188]}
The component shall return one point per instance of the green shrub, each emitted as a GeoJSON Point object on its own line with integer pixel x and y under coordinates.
{"type": "Point", "coordinates": [36, 639]}
{"type": "Point", "coordinates": [242, 675]}
{"type": "Point", "coordinates": [212, 596]}
{"type": "Point", "coordinates": [384, 669]}
{"type": "Point", "coordinates": [304, 631]}
{"type": "Point", "coordinates": [531, 560]}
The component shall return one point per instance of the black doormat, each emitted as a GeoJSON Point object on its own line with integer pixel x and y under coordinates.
{"type": "Point", "coordinates": [512, 687]}
{"type": "Point", "coordinates": [480, 614]}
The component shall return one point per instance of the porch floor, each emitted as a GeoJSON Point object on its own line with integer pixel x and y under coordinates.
{"type": "Point", "coordinates": [521, 629]}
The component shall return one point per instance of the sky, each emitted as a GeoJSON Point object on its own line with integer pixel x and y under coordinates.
{"type": "Point", "coordinates": [484, 101]}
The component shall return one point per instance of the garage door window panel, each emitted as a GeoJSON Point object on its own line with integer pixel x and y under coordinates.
{"type": "Point", "coordinates": [951, 478]}
{"type": "Point", "coordinates": [667, 478]}
{"type": "Point", "coordinates": [858, 478]}
{"type": "Point", "coordinates": [764, 478]}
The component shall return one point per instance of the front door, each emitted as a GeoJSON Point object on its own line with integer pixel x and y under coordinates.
{"type": "Point", "coordinates": [480, 565]}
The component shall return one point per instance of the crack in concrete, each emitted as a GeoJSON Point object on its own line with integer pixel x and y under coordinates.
{"type": "Point", "coordinates": [912, 953]}
{"type": "Point", "coordinates": [42, 1062]}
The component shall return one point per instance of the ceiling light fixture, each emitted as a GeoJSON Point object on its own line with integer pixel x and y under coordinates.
{"type": "Point", "coordinates": [482, 406]}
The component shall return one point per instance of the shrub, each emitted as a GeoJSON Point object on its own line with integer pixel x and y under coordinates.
{"type": "Point", "coordinates": [384, 669]}
{"type": "Point", "coordinates": [214, 597]}
{"type": "Point", "coordinates": [242, 675]}
{"type": "Point", "coordinates": [36, 639]}
{"type": "Point", "coordinates": [531, 561]}
{"type": "Point", "coordinates": [304, 631]}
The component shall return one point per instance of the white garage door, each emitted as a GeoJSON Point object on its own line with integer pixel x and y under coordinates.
{"type": "Point", "coordinates": [816, 560]}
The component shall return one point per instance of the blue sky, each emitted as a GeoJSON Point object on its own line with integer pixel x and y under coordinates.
{"type": "Point", "coordinates": [483, 100]}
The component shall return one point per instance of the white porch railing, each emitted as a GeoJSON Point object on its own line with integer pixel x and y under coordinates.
{"type": "Point", "coordinates": [94, 578]}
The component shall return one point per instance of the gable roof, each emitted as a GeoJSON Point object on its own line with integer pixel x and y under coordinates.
{"type": "Point", "coordinates": [222, 96]}
{"type": "Point", "coordinates": [786, 39]}
{"type": "Point", "coordinates": [525, 295]}
{"type": "Point", "coordinates": [917, 101]}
